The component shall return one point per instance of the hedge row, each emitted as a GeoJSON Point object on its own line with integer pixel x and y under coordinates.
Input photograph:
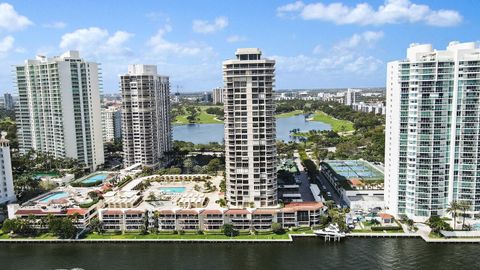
{"type": "Point", "coordinates": [386, 228]}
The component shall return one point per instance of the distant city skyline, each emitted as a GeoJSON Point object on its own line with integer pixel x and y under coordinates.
{"type": "Point", "coordinates": [314, 43]}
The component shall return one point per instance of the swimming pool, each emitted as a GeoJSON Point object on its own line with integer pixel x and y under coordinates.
{"type": "Point", "coordinates": [53, 196]}
{"type": "Point", "coordinates": [95, 178]}
{"type": "Point", "coordinates": [170, 190]}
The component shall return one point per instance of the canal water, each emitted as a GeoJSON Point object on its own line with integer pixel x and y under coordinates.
{"type": "Point", "coordinates": [205, 133]}
{"type": "Point", "coordinates": [303, 254]}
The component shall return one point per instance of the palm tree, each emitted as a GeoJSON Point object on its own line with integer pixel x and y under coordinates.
{"type": "Point", "coordinates": [453, 208]}
{"type": "Point", "coordinates": [96, 225]}
{"type": "Point", "coordinates": [464, 206]}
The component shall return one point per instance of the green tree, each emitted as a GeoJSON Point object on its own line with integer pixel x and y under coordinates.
{"type": "Point", "coordinates": [62, 227]}
{"type": "Point", "coordinates": [96, 225]}
{"type": "Point", "coordinates": [223, 185]}
{"type": "Point", "coordinates": [18, 226]}
{"type": "Point", "coordinates": [437, 224]}
{"type": "Point", "coordinates": [193, 113]}
{"type": "Point", "coordinates": [188, 165]}
{"type": "Point", "coordinates": [229, 230]}
{"type": "Point", "coordinates": [214, 166]}
{"type": "Point", "coordinates": [277, 228]}
{"type": "Point", "coordinates": [453, 209]}
{"type": "Point", "coordinates": [464, 207]}
{"type": "Point", "coordinates": [152, 197]}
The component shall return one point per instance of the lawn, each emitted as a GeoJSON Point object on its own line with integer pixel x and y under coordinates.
{"type": "Point", "coordinates": [186, 236]}
{"type": "Point", "coordinates": [204, 117]}
{"type": "Point", "coordinates": [368, 229]}
{"type": "Point", "coordinates": [434, 235]}
{"type": "Point", "coordinates": [337, 125]}
{"type": "Point", "coordinates": [289, 114]}
{"type": "Point", "coordinates": [41, 236]}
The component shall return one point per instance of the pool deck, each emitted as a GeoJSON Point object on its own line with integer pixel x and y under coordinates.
{"type": "Point", "coordinates": [87, 178]}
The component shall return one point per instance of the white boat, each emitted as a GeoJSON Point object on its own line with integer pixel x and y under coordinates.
{"type": "Point", "coordinates": [331, 230]}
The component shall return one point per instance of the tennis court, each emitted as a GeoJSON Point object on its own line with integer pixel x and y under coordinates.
{"type": "Point", "coordinates": [355, 169]}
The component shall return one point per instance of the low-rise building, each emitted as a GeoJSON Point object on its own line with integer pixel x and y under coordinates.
{"type": "Point", "coordinates": [300, 214]}
{"type": "Point", "coordinates": [76, 203]}
{"type": "Point", "coordinates": [125, 220]}
{"type": "Point", "coordinates": [359, 183]}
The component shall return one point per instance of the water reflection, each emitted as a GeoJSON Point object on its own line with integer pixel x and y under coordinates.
{"type": "Point", "coordinates": [205, 133]}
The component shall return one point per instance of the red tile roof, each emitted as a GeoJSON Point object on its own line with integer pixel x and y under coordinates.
{"type": "Point", "coordinates": [79, 211]}
{"type": "Point", "coordinates": [304, 206]}
{"type": "Point", "coordinates": [385, 216]}
{"type": "Point", "coordinates": [265, 211]}
{"type": "Point", "coordinates": [186, 212]}
{"type": "Point", "coordinates": [37, 212]}
{"type": "Point", "coordinates": [166, 212]}
{"type": "Point", "coordinates": [212, 212]}
{"type": "Point", "coordinates": [133, 211]}
{"type": "Point", "coordinates": [237, 212]}
{"type": "Point", "coordinates": [112, 212]}
{"type": "Point", "coordinates": [355, 182]}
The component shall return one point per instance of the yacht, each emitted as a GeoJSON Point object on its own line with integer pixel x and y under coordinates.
{"type": "Point", "coordinates": [331, 230]}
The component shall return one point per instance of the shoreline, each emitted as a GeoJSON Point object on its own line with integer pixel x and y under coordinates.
{"type": "Point", "coordinates": [290, 239]}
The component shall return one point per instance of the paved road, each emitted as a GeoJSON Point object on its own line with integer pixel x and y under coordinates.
{"type": "Point", "coordinates": [321, 181]}
{"type": "Point", "coordinates": [335, 196]}
{"type": "Point", "coordinates": [304, 188]}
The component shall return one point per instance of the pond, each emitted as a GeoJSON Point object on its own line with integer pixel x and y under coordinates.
{"type": "Point", "coordinates": [205, 133]}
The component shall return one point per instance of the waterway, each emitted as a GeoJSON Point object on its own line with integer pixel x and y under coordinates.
{"type": "Point", "coordinates": [205, 133]}
{"type": "Point", "coordinates": [303, 254]}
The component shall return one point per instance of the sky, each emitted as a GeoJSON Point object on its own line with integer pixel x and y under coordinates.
{"type": "Point", "coordinates": [317, 44]}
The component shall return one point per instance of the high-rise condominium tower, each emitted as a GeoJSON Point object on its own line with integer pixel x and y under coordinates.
{"type": "Point", "coordinates": [432, 130]}
{"type": "Point", "coordinates": [7, 193]}
{"type": "Point", "coordinates": [58, 108]}
{"type": "Point", "coordinates": [146, 129]}
{"type": "Point", "coordinates": [250, 150]}
{"type": "Point", "coordinates": [9, 104]}
{"type": "Point", "coordinates": [112, 123]}
{"type": "Point", "coordinates": [217, 95]}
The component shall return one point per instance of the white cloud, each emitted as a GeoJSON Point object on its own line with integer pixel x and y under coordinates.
{"type": "Point", "coordinates": [6, 45]}
{"type": "Point", "coordinates": [349, 56]}
{"type": "Point", "coordinates": [365, 39]}
{"type": "Point", "coordinates": [161, 46]}
{"type": "Point", "coordinates": [235, 38]}
{"type": "Point", "coordinates": [205, 27]}
{"type": "Point", "coordinates": [95, 41]}
{"type": "Point", "coordinates": [55, 25]}
{"type": "Point", "coordinates": [10, 20]}
{"type": "Point", "coordinates": [296, 6]}
{"type": "Point", "coordinates": [391, 12]}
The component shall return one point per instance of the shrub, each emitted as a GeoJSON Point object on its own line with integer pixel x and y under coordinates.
{"type": "Point", "coordinates": [277, 228]}
{"type": "Point", "coordinates": [386, 228]}
{"type": "Point", "coordinates": [228, 230]}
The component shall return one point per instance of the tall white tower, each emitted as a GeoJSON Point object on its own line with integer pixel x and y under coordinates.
{"type": "Point", "coordinates": [7, 193]}
{"type": "Point", "coordinates": [58, 108]}
{"type": "Point", "coordinates": [250, 132]}
{"type": "Point", "coordinates": [146, 127]}
{"type": "Point", "coordinates": [432, 130]}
